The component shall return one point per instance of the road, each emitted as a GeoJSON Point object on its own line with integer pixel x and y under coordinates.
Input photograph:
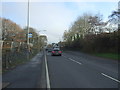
{"type": "Point", "coordinates": [71, 70]}
{"type": "Point", "coordinates": [78, 70]}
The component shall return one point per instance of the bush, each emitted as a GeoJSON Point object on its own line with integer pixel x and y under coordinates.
{"type": "Point", "coordinates": [101, 43]}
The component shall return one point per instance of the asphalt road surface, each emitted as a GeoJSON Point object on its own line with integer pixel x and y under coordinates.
{"type": "Point", "coordinates": [71, 70]}
{"type": "Point", "coordinates": [78, 70]}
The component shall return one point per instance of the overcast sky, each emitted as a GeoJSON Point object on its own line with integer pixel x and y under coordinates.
{"type": "Point", "coordinates": [55, 17]}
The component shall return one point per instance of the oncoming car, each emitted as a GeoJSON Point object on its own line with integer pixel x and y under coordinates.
{"type": "Point", "coordinates": [57, 52]}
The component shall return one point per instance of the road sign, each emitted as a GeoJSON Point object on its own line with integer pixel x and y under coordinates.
{"type": "Point", "coordinates": [30, 35]}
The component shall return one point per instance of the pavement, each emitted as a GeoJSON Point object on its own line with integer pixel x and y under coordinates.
{"type": "Point", "coordinates": [24, 76]}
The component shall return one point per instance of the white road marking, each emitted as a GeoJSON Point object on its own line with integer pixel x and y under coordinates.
{"type": "Point", "coordinates": [64, 56]}
{"type": "Point", "coordinates": [110, 77]}
{"type": "Point", "coordinates": [47, 74]}
{"type": "Point", "coordinates": [74, 60]}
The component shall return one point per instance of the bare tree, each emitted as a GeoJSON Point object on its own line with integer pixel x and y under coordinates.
{"type": "Point", "coordinates": [114, 18]}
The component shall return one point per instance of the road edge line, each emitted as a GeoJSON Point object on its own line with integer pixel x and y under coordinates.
{"type": "Point", "coordinates": [47, 74]}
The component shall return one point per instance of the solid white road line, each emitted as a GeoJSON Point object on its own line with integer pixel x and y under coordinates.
{"type": "Point", "coordinates": [47, 74]}
{"type": "Point", "coordinates": [74, 60]}
{"type": "Point", "coordinates": [110, 77]}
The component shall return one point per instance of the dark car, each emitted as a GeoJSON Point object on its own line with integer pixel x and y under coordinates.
{"type": "Point", "coordinates": [49, 50]}
{"type": "Point", "coordinates": [57, 52]}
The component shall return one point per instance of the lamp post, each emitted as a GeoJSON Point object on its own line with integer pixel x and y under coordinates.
{"type": "Point", "coordinates": [28, 47]}
{"type": "Point", "coordinates": [28, 27]}
{"type": "Point", "coordinates": [28, 24]}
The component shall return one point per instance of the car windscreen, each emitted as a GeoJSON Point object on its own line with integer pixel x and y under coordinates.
{"type": "Point", "coordinates": [56, 50]}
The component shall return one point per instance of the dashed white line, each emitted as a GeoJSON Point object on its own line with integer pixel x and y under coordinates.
{"type": "Point", "coordinates": [110, 77]}
{"type": "Point", "coordinates": [74, 60]}
{"type": "Point", "coordinates": [101, 73]}
{"type": "Point", "coordinates": [64, 56]}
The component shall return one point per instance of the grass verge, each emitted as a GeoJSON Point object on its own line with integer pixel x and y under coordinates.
{"type": "Point", "coordinates": [108, 55]}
